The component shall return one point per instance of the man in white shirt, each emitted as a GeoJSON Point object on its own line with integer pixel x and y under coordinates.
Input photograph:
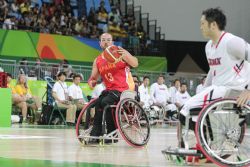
{"type": "Point", "coordinates": [159, 92]}
{"type": "Point", "coordinates": [173, 90]}
{"type": "Point", "coordinates": [182, 96]}
{"type": "Point", "coordinates": [98, 90]}
{"type": "Point", "coordinates": [75, 92]}
{"type": "Point", "coordinates": [201, 87]}
{"type": "Point", "coordinates": [144, 92]}
{"type": "Point", "coordinates": [60, 94]}
{"type": "Point", "coordinates": [227, 57]}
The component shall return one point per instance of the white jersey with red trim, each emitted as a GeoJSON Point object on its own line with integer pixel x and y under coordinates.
{"type": "Point", "coordinates": [226, 70]}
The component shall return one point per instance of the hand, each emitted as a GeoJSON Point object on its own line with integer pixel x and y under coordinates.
{"type": "Point", "coordinates": [92, 83]}
{"type": "Point", "coordinates": [122, 51]}
{"type": "Point", "coordinates": [243, 98]}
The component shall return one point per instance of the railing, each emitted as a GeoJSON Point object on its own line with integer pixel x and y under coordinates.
{"type": "Point", "coordinates": [39, 71]}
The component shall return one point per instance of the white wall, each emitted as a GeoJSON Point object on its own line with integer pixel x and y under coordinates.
{"type": "Point", "coordinates": [180, 19]}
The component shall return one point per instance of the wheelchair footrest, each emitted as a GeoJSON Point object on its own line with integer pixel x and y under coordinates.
{"type": "Point", "coordinates": [181, 152]}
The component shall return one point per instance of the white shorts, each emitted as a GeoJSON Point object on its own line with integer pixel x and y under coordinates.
{"type": "Point", "coordinates": [203, 98]}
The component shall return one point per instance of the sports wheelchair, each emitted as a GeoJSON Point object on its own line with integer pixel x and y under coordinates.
{"type": "Point", "coordinates": [130, 119]}
{"type": "Point", "coordinates": [219, 136]}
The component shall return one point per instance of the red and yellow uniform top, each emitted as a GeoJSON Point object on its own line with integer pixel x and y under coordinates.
{"type": "Point", "coordinates": [21, 90]}
{"type": "Point", "coordinates": [115, 76]}
{"type": "Point", "coordinates": [13, 90]}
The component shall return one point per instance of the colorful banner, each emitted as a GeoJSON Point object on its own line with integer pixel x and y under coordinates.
{"type": "Point", "coordinates": [22, 44]}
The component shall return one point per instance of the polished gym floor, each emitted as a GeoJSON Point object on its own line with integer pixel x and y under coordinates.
{"type": "Point", "coordinates": [56, 146]}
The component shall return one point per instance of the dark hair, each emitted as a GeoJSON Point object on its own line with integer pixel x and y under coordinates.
{"type": "Point", "coordinates": [145, 77]}
{"type": "Point", "coordinates": [184, 83]}
{"type": "Point", "coordinates": [61, 73]}
{"type": "Point", "coordinates": [176, 81]}
{"type": "Point", "coordinates": [217, 15]}
{"type": "Point", "coordinates": [161, 76]}
{"type": "Point", "coordinates": [77, 76]}
{"type": "Point", "coordinates": [9, 75]}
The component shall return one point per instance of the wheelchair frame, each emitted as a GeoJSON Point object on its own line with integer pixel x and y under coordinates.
{"type": "Point", "coordinates": [114, 135]}
{"type": "Point", "coordinates": [204, 136]}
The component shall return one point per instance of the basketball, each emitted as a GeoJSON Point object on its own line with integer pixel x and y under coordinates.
{"type": "Point", "coordinates": [111, 54]}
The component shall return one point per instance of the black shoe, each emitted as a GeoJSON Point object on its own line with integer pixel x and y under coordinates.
{"type": "Point", "coordinates": [95, 131]}
{"type": "Point", "coordinates": [109, 141]}
{"type": "Point", "coordinates": [93, 141]}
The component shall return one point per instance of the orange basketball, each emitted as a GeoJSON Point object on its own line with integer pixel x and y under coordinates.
{"type": "Point", "coordinates": [111, 54]}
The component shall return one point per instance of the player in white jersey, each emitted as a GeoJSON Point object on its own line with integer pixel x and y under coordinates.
{"type": "Point", "coordinates": [227, 57]}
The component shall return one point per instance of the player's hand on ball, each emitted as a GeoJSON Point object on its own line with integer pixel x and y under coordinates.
{"type": "Point", "coordinates": [122, 51]}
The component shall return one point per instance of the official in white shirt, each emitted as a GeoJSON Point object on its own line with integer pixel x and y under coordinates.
{"type": "Point", "coordinates": [60, 94]}
{"type": "Point", "coordinates": [75, 92]}
{"type": "Point", "coordinates": [144, 92]}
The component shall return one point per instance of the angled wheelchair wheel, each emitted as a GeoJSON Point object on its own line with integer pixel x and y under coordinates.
{"type": "Point", "coordinates": [84, 126]}
{"type": "Point", "coordinates": [132, 122]}
{"type": "Point", "coordinates": [220, 132]}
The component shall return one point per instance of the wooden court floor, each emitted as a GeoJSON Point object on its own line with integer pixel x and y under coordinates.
{"type": "Point", "coordinates": [39, 146]}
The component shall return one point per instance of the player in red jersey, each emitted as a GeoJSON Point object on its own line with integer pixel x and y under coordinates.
{"type": "Point", "coordinates": [116, 78]}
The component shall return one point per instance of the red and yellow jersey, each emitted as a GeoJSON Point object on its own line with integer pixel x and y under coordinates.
{"type": "Point", "coordinates": [115, 76]}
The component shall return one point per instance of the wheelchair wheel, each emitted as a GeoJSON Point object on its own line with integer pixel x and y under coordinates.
{"type": "Point", "coordinates": [132, 123]}
{"type": "Point", "coordinates": [84, 128]}
{"type": "Point", "coordinates": [220, 132]}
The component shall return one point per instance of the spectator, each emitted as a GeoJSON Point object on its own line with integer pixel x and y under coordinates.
{"type": "Point", "coordinates": [182, 96]}
{"type": "Point", "coordinates": [60, 94]}
{"type": "Point", "coordinates": [75, 92]}
{"type": "Point", "coordinates": [159, 91]}
{"type": "Point", "coordinates": [144, 92]}
{"type": "Point", "coordinates": [114, 14]}
{"type": "Point", "coordinates": [9, 23]}
{"type": "Point", "coordinates": [17, 100]}
{"type": "Point", "coordinates": [32, 101]}
{"type": "Point", "coordinates": [173, 90]}
{"type": "Point", "coordinates": [201, 86]}
{"type": "Point", "coordinates": [23, 67]}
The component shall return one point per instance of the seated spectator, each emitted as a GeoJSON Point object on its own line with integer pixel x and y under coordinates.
{"type": "Point", "coordinates": [114, 14]}
{"type": "Point", "coordinates": [15, 7]}
{"type": "Point", "coordinates": [182, 96]}
{"type": "Point", "coordinates": [32, 101]}
{"type": "Point", "coordinates": [173, 90]}
{"type": "Point", "coordinates": [159, 91]}
{"type": "Point", "coordinates": [94, 33]}
{"type": "Point", "coordinates": [98, 89]}
{"type": "Point", "coordinates": [201, 87]}
{"type": "Point", "coordinates": [17, 100]}
{"type": "Point", "coordinates": [25, 7]}
{"type": "Point", "coordinates": [75, 92]}
{"type": "Point", "coordinates": [9, 23]}
{"type": "Point", "coordinates": [23, 67]}
{"type": "Point", "coordinates": [144, 92]}
{"type": "Point", "coordinates": [60, 94]}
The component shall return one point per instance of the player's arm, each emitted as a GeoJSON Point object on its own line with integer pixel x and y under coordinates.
{"type": "Point", "coordinates": [128, 58]}
{"type": "Point", "coordinates": [94, 76]}
{"type": "Point", "coordinates": [238, 48]}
